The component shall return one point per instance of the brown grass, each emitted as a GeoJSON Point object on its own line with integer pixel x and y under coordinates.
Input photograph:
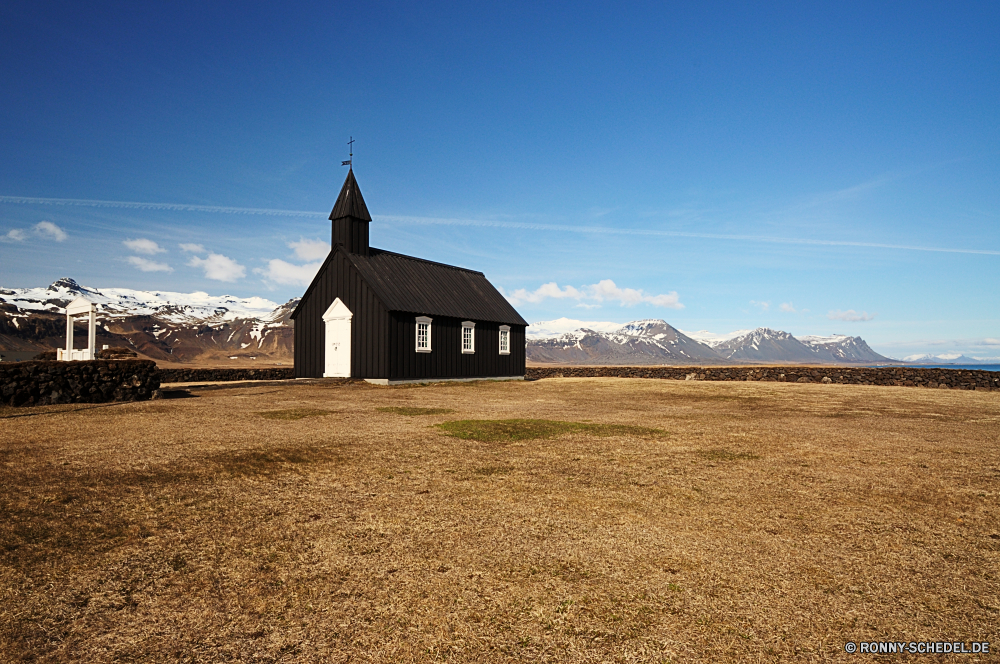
{"type": "Point", "coordinates": [293, 413]}
{"type": "Point", "coordinates": [508, 431]}
{"type": "Point", "coordinates": [413, 411]}
{"type": "Point", "coordinates": [660, 521]}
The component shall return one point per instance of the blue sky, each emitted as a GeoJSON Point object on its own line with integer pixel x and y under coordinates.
{"type": "Point", "coordinates": [721, 166]}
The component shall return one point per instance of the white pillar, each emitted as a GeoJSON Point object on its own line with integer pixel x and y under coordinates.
{"type": "Point", "coordinates": [92, 336]}
{"type": "Point", "coordinates": [69, 336]}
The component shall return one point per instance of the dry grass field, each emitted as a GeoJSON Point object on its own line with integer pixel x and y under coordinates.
{"type": "Point", "coordinates": [578, 520]}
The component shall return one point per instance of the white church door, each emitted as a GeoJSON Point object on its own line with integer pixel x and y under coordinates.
{"type": "Point", "coordinates": [338, 340]}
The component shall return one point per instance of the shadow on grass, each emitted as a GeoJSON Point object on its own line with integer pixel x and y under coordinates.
{"type": "Point", "coordinates": [177, 394]}
{"type": "Point", "coordinates": [10, 412]}
{"type": "Point", "coordinates": [506, 431]}
{"type": "Point", "coordinates": [49, 510]}
{"type": "Point", "coordinates": [269, 461]}
{"type": "Point", "coordinates": [412, 411]}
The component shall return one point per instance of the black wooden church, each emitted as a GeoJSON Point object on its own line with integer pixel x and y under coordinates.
{"type": "Point", "coordinates": [390, 318]}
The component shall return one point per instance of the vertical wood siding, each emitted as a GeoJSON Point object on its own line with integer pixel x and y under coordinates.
{"type": "Point", "coordinates": [446, 359]}
{"type": "Point", "coordinates": [352, 233]}
{"type": "Point", "coordinates": [369, 326]}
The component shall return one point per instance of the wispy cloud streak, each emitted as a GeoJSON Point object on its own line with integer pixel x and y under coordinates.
{"type": "Point", "coordinates": [658, 233]}
{"type": "Point", "coordinates": [181, 207]}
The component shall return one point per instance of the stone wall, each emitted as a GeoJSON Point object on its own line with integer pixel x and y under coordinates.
{"type": "Point", "coordinates": [224, 375]}
{"type": "Point", "coordinates": [957, 379]}
{"type": "Point", "coordinates": [97, 381]}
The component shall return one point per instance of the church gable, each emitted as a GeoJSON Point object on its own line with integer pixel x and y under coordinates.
{"type": "Point", "coordinates": [336, 279]}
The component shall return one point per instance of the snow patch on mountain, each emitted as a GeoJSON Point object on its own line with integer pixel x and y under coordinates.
{"type": "Point", "coordinates": [711, 338]}
{"type": "Point", "coordinates": [815, 340]}
{"type": "Point", "coordinates": [556, 329]}
{"type": "Point", "coordinates": [122, 302]}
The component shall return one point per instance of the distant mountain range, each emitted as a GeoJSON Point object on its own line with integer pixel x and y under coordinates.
{"type": "Point", "coordinates": [950, 358]}
{"type": "Point", "coordinates": [182, 327]}
{"type": "Point", "coordinates": [160, 325]}
{"type": "Point", "coordinates": [656, 342]}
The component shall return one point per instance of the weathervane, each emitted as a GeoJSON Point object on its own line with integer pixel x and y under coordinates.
{"type": "Point", "coordinates": [348, 162]}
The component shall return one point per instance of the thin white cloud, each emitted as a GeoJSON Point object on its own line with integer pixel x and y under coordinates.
{"type": "Point", "coordinates": [192, 248]}
{"type": "Point", "coordinates": [282, 272]}
{"type": "Point", "coordinates": [219, 267]}
{"type": "Point", "coordinates": [14, 235]}
{"type": "Point", "coordinates": [851, 316]}
{"type": "Point", "coordinates": [603, 291]}
{"type": "Point", "coordinates": [144, 246]}
{"type": "Point", "coordinates": [310, 250]}
{"type": "Point", "coordinates": [547, 291]}
{"type": "Point", "coordinates": [50, 230]}
{"type": "Point", "coordinates": [788, 307]}
{"type": "Point", "coordinates": [764, 306]}
{"type": "Point", "coordinates": [147, 265]}
{"type": "Point", "coordinates": [26, 200]}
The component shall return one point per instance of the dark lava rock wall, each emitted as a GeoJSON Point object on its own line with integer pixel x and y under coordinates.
{"type": "Point", "coordinates": [97, 381]}
{"type": "Point", "coordinates": [956, 379]}
{"type": "Point", "coordinates": [224, 375]}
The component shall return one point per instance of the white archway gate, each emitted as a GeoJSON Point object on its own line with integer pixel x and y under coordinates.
{"type": "Point", "coordinates": [337, 345]}
{"type": "Point", "coordinates": [80, 307]}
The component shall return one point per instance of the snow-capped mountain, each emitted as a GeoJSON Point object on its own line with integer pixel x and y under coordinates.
{"type": "Point", "coordinates": [158, 324]}
{"type": "Point", "coordinates": [656, 342]}
{"type": "Point", "coordinates": [767, 345]}
{"type": "Point", "coordinates": [638, 342]}
{"type": "Point", "coordinates": [843, 348]}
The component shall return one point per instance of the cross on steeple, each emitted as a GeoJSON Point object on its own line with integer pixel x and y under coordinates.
{"type": "Point", "coordinates": [350, 161]}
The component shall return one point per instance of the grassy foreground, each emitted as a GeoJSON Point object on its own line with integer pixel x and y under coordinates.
{"type": "Point", "coordinates": [589, 520]}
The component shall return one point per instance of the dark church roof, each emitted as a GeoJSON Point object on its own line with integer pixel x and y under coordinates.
{"type": "Point", "coordinates": [405, 283]}
{"type": "Point", "coordinates": [422, 287]}
{"type": "Point", "coordinates": [350, 203]}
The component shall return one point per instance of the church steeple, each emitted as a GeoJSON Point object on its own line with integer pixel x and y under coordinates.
{"type": "Point", "coordinates": [350, 218]}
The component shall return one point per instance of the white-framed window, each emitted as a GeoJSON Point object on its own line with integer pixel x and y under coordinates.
{"type": "Point", "coordinates": [505, 339]}
{"type": "Point", "coordinates": [468, 337]}
{"type": "Point", "coordinates": [423, 334]}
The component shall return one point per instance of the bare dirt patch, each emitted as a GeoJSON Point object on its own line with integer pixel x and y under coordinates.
{"type": "Point", "coordinates": [648, 521]}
